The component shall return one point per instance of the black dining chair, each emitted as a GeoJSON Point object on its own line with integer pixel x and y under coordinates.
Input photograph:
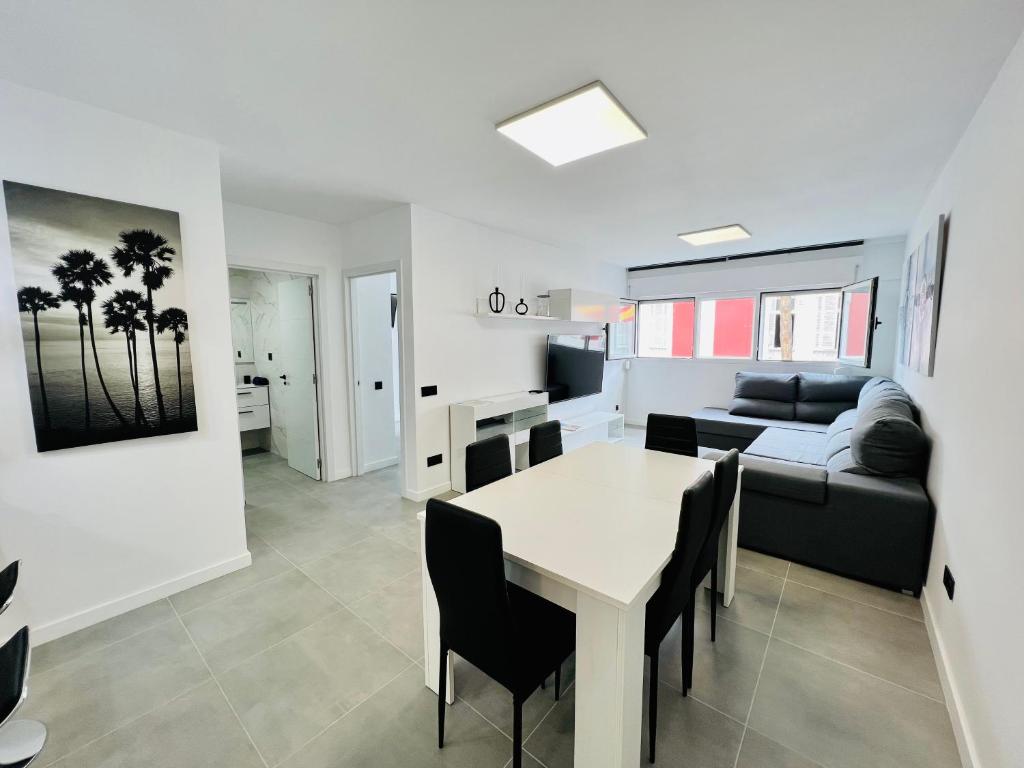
{"type": "Point", "coordinates": [486, 461]}
{"type": "Point", "coordinates": [675, 594]}
{"type": "Point", "coordinates": [545, 442]}
{"type": "Point", "coordinates": [510, 634]}
{"type": "Point", "coordinates": [8, 581]}
{"type": "Point", "coordinates": [21, 741]}
{"type": "Point", "coordinates": [671, 434]}
{"type": "Point", "coordinates": [727, 470]}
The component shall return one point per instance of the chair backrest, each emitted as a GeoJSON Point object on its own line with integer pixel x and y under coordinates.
{"type": "Point", "coordinates": [671, 434]}
{"type": "Point", "coordinates": [545, 442]}
{"type": "Point", "coordinates": [676, 588]}
{"type": "Point", "coordinates": [486, 461]}
{"type": "Point", "coordinates": [727, 471]}
{"type": "Point", "coordinates": [8, 581]}
{"type": "Point", "coordinates": [466, 564]}
{"type": "Point", "coordinates": [14, 656]}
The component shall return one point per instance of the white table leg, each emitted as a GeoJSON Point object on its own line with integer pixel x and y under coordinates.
{"type": "Point", "coordinates": [727, 544]}
{"type": "Point", "coordinates": [432, 625]}
{"type": "Point", "coordinates": [609, 684]}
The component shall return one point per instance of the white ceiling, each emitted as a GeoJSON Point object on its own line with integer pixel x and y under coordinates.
{"type": "Point", "coordinates": [805, 120]}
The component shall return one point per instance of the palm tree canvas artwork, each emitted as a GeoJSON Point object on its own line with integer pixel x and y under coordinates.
{"type": "Point", "coordinates": [101, 292]}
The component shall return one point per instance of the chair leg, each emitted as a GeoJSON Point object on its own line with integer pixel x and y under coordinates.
{"type": "Point", "coordinates": [714, 597]}
{"type": "Point", "coordinates": [442, 694]}
{"type": "Point", "coordinates": [652, 709]}
{"type": "Point", "coordinates": [688, 620]}
{"type": "Point", "coordinates": [558, 681]}
{"type": "Point", "coordinates": [517, 732]}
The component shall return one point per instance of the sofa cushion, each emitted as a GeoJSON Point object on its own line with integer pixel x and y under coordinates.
{"type": "Point", "coordinates": [823, 413]}
{"type": "Point", "coordinates": [802, 482]}
{"type": "Point", "coordinates": [765, 409]}
{"type": "Point", "coordinates": [718, 421]}
{"type": "Point", "coordinates": [829, 388]}
{"type": "Point", "coordinates": [886, 439]}
{"type": "Point", "coordinates": [789, 445]}
{"type": "Point", "coordinates": [842, 461]}
{"type": "Point", "coordinates": [843, 423]}
{"type": "Point", "coordinates": [766, 386]}
{"type": "Point", "coordinates": [840, 441]}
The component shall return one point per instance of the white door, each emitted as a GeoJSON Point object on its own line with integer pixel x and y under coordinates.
{"type": "Point", "coordinates": [375, 343]}
{"type": "Point", "coordinates": [298, 366]}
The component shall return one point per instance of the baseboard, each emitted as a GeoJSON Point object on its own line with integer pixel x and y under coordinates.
{"type": "Point", "coordinates": [372, 466]}
{"type": "Point", "coordinates": [961, 730]}
{"type": "Point", "coordinates": [629, 423]}
{"type": "Point", "coordinates": [428, 493]}
{"type": "Point", "coordinates": [55, 629]}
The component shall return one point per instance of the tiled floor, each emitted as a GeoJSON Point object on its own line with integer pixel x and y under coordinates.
{"type": "Point", "coordinates": [310, 658]}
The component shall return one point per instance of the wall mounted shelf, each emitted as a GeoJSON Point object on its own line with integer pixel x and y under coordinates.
{"type": "Point", "coordinates": [513, 316]}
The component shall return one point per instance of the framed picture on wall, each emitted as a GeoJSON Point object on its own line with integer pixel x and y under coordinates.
{"type": "Point", "coordinates": [101, 293]}
{"type": "Point", "coordinates": [622, 333]}
{"type": "Point", "coordinates": [919, 305]}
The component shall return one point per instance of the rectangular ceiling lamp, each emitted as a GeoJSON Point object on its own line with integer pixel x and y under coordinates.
{"type": "Point", "coordinates": [716, 235]}
{"type": "Point", "coordinates": [579, 124]}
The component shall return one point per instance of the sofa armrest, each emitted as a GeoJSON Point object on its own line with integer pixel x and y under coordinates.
{"type": "Point", "coordinates": [803, 482]}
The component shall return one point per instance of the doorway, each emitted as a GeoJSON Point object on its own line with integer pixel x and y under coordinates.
{"type": "Point", "coordinates": [376, 379]}
{"type": "Point", "coordinates": [274, 334]}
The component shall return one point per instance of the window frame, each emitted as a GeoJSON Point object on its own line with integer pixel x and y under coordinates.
{"type": "Point", "coordinates": [666, 300]}
{"type": "Point", "coordinates": [760, 314]}
{"type": "Point", "coordinates": [612, 328]}
{"type": "Point", "coordinates": [873, 323]}
{"type": "Point", "coordinates": [725, 297]}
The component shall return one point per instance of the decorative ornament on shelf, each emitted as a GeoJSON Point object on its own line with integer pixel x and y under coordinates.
{"type": "Point", "coordinates": [496, 301]}
{"type": "Point", "coordinates": [544, 305]}
{"type": "Point", "coordinates": [521, 308]}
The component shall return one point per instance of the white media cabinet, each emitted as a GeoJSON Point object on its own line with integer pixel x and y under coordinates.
{"type": "Point", "coordinates": [513, 415]}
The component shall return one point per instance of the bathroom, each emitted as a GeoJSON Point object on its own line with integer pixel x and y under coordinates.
{"type": "Point", "coordinates": [273, 330]}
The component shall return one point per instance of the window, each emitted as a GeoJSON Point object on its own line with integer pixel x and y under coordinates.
{"type": "Point", "coordinates": [725, 327]}
{"type": "Point", "coordinates": [665, 328]}
{"type": "Point", "coordinates": [622, 333]}
{"type": "Point", "coordinates": [801, 327]}
{"type": "Point", "coordinates": [857, 322]}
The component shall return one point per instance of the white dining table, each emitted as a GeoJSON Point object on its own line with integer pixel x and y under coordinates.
{"type": "Point", "coordinates": [591, 531]}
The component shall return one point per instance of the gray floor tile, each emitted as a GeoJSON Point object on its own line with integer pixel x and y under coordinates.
{"type": "Point", "coordinates": [724, 672]}
{"type": "Point", "coordinates": [265, 494]}
{"type": "Point", "coordinates": [406, 533]}
{"type": "Point", "coordinates": [398, 727]}
{"type": "Point", "coordinates": [495, 702]}
{"type": "Point", "coordinates": [241, 625]}
{"type": "Point", "coordinates": [890, 646]}
{"type": "Point", "coordinates": [310, 538]}
{"type": "Point", "coordinates": [100, 635]}
{"type": "Point", "coordinates": [363, 567]}
{"type": "Point", "coordinates": [689, 733]}
{"type": "Point", "coordinates": [755, 561]}
{"type": "Point", "coordinates": [266, 563]}
{"type": "Point", "coordinates": [761, 752]}
{"type": "Point", "coordinates": [196, 730]}
{"type": "Point", "coordinates": [396, 611]}
{"type": "Point", "coordinates": [291, 692]}
{"type": "Point", "coordinates": [755, 602]}
{"type": "Point", "coordinates": [85, 698]}
{"type": "Point", "coordinates": [855, 590]}
{"type": "Point", "coordinates": [843, 718]}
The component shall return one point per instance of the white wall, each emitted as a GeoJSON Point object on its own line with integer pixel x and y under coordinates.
{"type": "Point", "coordinates": [105, 528]}
{"type": "Point", "coordinates": [971, 409]}
{"type": "Point", "coordinates": [454, 262]}
{"type": "Point", "coordinates": [275, 241]}
{"type": "Point", "coordinates": [682, 386]}
{"type": "Point", "coordinates": [375, 361]}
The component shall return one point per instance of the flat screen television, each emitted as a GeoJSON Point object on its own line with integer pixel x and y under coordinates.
{"type": "Point", "coordinates": [575, 366]}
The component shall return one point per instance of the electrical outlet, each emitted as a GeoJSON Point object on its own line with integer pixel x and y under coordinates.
{"type": "Point", "coordinates": [433, 461]}
{"type": "Point", "coordinates": [948, 581]}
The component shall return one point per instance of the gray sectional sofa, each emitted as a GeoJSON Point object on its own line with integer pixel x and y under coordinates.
{"type": "Point", "coordinates": [833, 468]}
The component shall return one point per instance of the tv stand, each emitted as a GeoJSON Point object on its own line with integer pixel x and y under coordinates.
{"type": "Point", "coordinates": [593, 427]}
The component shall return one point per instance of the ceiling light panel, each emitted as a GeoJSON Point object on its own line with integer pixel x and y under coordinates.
{"type": "Point", "coordinates": [582, 123]}
{"type": "Point", "coordinates": [716, 235]}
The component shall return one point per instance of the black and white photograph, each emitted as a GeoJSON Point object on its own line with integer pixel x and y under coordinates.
{"type": "Point", "coordinates": [101, 293]}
